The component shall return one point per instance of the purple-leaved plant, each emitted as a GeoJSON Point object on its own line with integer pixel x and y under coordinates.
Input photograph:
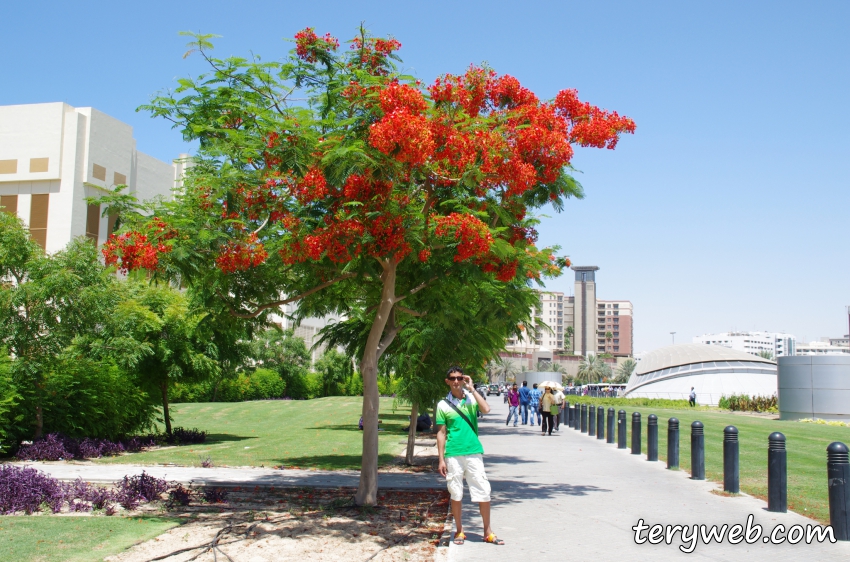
{"type": "Point", "coordinates": [26, 489]}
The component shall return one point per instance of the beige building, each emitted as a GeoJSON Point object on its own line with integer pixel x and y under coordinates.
{"type": "Point", "coordinates": [576, 325]}
{"type": "Point", "coordinates": [53, 156]}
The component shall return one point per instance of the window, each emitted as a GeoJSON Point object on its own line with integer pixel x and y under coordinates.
{"type": "Point", "coordinates": [616, 334]}
{"type": "Point", "coordinates": [616, 341]}
{"type": "Point", "coordinates": [98, 172]}
{"type": "Point", "coordinates": [38, 164]}
{"type": "Point", "coordinates": [616, 306]}
{"type": "Point", "coordinates": [38, 219]}
{"type": "Point", "coordinates": [93, 222]}
{"type": "Point", "coordinates": [9, 204]}
{"type": "Point", "coordinates": [119, 179]}
{"type": "Point", "coordinates": [8, 166]}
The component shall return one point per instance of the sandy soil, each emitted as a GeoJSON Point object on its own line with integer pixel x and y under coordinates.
{"type": "Point", "coordinates": [302, 524]}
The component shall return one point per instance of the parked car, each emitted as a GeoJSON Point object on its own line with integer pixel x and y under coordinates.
{"type": "Point", "coordinates": [493, 389]}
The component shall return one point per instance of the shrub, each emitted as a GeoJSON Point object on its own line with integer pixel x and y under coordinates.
{"type": "Point", "coordinates": [51, 448]}
{"type": "Point", "coordinates": [629, 402]}
{"type": "Point", "coordinates": [26, 489]}
{"type": "Point", "coordinates": [132, 490]}
{"type": "Point", "coordinates": [178, 495]}
{"type": "Point", "coordinates": [744, 403]}
{"type": "Point", "coordinates": [182, 436]}
{"type": "Point", "coordinates": [214, 495]}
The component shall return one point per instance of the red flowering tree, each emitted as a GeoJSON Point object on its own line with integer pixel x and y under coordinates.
{"type": "Point", "coordinates": [329, 178]}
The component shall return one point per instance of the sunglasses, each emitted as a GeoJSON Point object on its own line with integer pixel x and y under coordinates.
{"type": "Point", "coordinates": [455, 378]}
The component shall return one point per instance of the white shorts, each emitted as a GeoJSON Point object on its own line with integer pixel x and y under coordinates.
{"type": "Point", "coordinates": [470, 467]}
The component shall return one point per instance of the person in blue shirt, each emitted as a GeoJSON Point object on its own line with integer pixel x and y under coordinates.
{"type": "Point", "coordinates": [534, 403]}
{"type": "Point", "coordinates": [524, 399]}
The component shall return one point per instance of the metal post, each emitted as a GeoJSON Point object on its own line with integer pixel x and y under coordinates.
{"type": "Point", "coordinates": [584, 418]}
{"type": "Point", "coordinates": [565, 412]}
{"type": "Point", "coordinates": [621, 429]}
{"type": "Point", "coordinates": [777, 473]}
{"type": "Point", "coordinates": [600, 422]}
{"type": "Point", "coordinates": [610, 425]}
{"type": "Point", "coordinates": [673, 444]}
{"type": "Point", "coordinates": [697, 451]}
{"type": "Point", "coordinates": [636, 433]}
{"type": "Point", "coordinates": [591, 421]}
{"type": "Point", "coordinates": [731, 478]}
{"type": "Point", "coordinates": [574, 417]}
{"type": "Point", "coordinates": [838, 476]}
{"type": "Point", "coordinates": [652, 438]}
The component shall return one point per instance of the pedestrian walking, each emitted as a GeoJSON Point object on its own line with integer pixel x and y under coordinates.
{"type": "Point", "coordinates": [524, 400]}
{"type": "Point", "coordinates": [534, 404]}
{"type": "Point", "coordinates": [547, 406]}
{"type": "Point", "coordinates": [692, 399]}
{"type": "Point", "coordinates": [559, 400]}
{"type": "Point", "coordinates": [461, 452]}
{"type": "Point", "coordinates": [513, 405]}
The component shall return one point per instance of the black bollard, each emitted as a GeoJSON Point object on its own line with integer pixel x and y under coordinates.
{"type": "Point", "coordinates": [577, 417]}
{"type": "Point", "coordinates": [621, 429]}
{"type": "Point", "coordinates": [697, 451]}
{"type": "Point", "coordinates": [584, 418]}
{"type": "Point", "coordinates": [600, 422]}
{"type": "Point", "coordinates": [565, 412]}
{"type": "Point", "coordinates": [636, 433]}
{"type": "Point", "coordinates": [673, 444]}
{"type": "Point", "coordinates": [591, 421]}
{"type": "Point", "coordinates": [838, 476]}
{"type": "Point", "coordinates": [777, 473]}
{"type": "Point", "coordinates": [573, 416]}
{"type": "Point", "coordinates": [731, 479]}
{"type": "Point", "coordinates": [652, 438]}
{"type": "Point", "coordinates": [610, 425]}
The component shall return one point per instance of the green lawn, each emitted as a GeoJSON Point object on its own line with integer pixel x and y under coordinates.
{"type": "Point", "coordinates": [46, 538]}
{"type": "Point", "coordinates": [806, 445]}
{"type": "Point", "coordinates": [319, 433]}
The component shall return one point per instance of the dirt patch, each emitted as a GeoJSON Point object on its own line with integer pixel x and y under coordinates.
{"type": "Point", "coordinates": [302, 524]}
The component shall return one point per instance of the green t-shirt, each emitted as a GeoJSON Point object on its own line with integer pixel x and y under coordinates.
{"type": "Point", "coordinates": [461, 439]}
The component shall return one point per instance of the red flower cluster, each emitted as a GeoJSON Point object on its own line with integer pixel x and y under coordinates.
{"type": "Point", "coordinates": [402, 97]}
{"type": "Point", "coordinates": [131, 251]}
{"type": "Point", "coordinates": [308, 44]}
{"type": "Point", "coordinates": [592, 126]}
{"type": "Point", "coordinates": [469, 91]}
{"type": "Point", "coordinates": [373, 53]}
{"type": "Point", "coordinates": [311, 187]}
{"type": "Point", "coordinates": [473, 235]}
{"type": "Point", "coordinates": [404, 136]}
{"type": "Point", "coordinates": [239, 256]}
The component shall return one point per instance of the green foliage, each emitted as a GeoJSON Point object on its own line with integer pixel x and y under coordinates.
{"type": "Point", "coordinates": [765, 354]}
{"type": "Point", "coordinates": [632, 402]}
{"type": "Point", "coordinates": [593, 369]}
{"type": "Point", "coordinates": [335, 369]}
{"type": "Point", "coordinates": [744, 403]}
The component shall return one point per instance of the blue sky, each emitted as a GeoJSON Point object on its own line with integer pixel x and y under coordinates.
{"type": "Point", "coordinates": [726, 210]}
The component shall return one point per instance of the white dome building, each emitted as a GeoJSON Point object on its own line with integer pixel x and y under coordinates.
{"type": "Point", "coordinates": [713, 371]}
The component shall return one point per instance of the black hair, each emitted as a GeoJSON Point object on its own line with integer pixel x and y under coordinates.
{"type": "Point", "coordinates": [524, 383]}
{"type": "Point", "coordinates": [535, 385]}
{"type": "Point", "coordinates": [453, 369]}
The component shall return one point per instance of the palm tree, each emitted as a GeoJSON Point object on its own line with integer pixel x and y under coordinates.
{"type": "Point", "coordinates": [568, 336]}
{"type": "Point", "coordinates": [549, 367]}
{"type": "Point", "coordinates": [765, 354]}
{"type": "Point", "coordinates": [608, 337]}
{"type": "Point", "coordinates": [501, 368]}
{"type": "Point", "coordinates": [592, 369]}
{"type": "Point", "coordinates": [625, 370]}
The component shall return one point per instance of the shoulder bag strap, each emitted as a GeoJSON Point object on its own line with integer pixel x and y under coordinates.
{"type": "Point", "coordinates": [456, 409]}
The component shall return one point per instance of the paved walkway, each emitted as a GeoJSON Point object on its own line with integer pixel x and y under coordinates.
{"type": "Point", "coordinates": [572, 497]}
{"type": "Point", "coordinates": [94, 472]}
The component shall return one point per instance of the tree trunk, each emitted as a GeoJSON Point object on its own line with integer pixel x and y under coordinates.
{"type": "Point", "coordinates": [39, 422]}
{"type": "Point", "coordinates": [367, 490]}
{"type": "Point", "coordinates": [164, 388]}
{"type": "Point", "coordinates": [411, 434]}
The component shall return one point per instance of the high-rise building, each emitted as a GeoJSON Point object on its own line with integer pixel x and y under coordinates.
{"type": "Point", "coordinates": [776, 343]}
{"type": "Point", "coordinates": [579, 324]}
{"type": "Point", "coordinates": [53, 156]}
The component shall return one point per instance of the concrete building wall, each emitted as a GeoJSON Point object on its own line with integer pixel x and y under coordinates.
{"type": "Point", "coordinates": [814, 387]}
{"type": "Point", "coordinates": [53, 156]}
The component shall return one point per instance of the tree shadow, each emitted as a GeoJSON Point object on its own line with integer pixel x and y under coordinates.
{"type": "Point", "coordinates": [223, 437]}
{"type": "Point", "coordinates": [391, 428]}
{"type": "Point", "coordinates": [510, 491]}
{"type": "Point", "coordinates": [340, 461]}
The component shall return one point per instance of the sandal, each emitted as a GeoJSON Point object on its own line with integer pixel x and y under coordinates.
{"type": "Point", "coordinates": [493, 539]}
{"type": "Point", "coordinates": [459, 538]}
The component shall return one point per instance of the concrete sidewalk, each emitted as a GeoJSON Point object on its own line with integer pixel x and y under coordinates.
{"type": "Point", "coordinates": [247, 476]}
{"type": "Point", "coordinates": [570, 496]}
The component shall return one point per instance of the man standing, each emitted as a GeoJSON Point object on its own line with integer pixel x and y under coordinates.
{"type": "Point", "coordinates": [692, 399]}
{"type": "Point", "coordinates": [524, 399]}
{"type": "Point", "coordinates": [534, 404]}
{"type": "Point", "coordinates": [513, 405]}
{"type": "Point", "coordinates": [461, 453]}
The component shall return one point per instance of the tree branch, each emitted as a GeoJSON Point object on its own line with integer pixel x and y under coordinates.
{"type": "Point", "coordinates": [409, 311]}
{"type": "Point", "coordinates": [416, 289]}
{"type": "Point", "coordinates": [390, 332]}
{"type": "Point", "coordinates": [275, 304]}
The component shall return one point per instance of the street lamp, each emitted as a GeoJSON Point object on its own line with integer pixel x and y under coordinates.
{"type": "Point", "coordinates": [674, 333]}
{"type": "Point", "coordinates": [848, 323]}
